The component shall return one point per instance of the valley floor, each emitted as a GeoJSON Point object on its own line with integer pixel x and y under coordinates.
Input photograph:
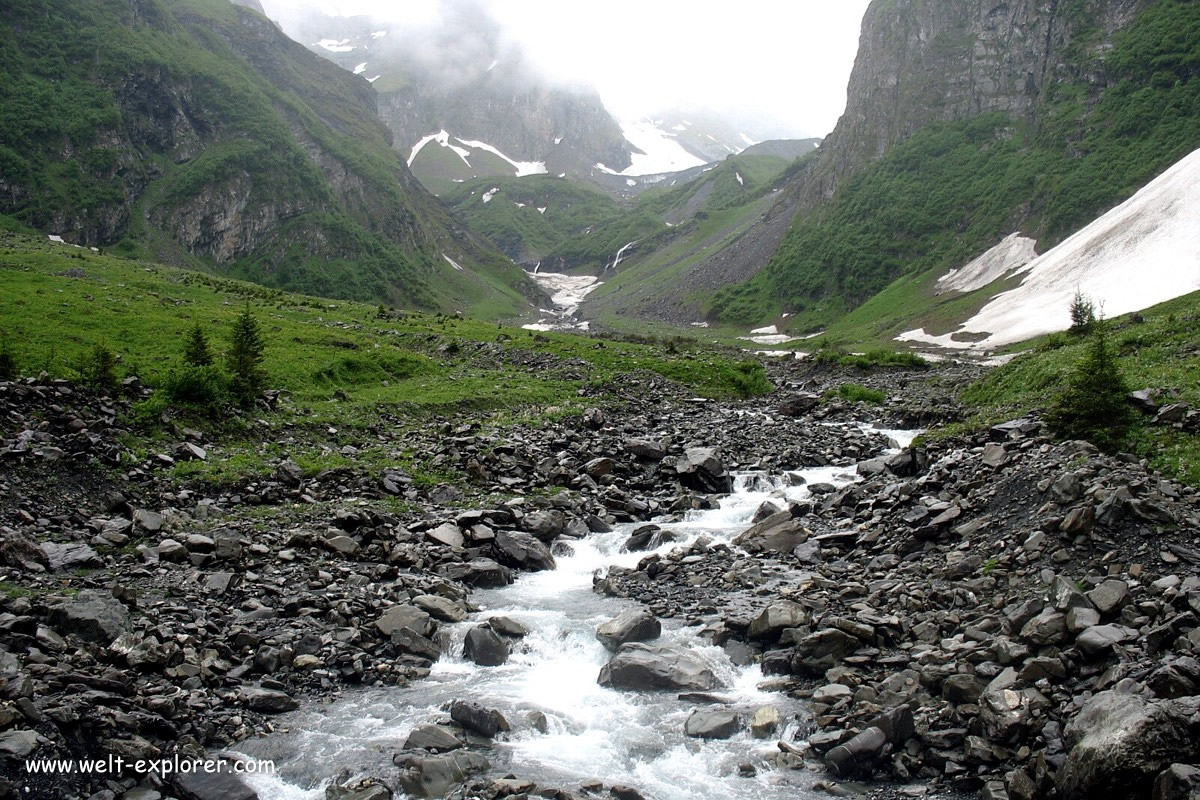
{"type": "Point", "coordinates": [996, 614]}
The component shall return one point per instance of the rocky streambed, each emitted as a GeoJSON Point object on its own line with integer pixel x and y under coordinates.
{"type": "Point", "coordinates": [997, 616]}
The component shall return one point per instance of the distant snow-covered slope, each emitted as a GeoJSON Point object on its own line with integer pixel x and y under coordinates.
{"type": "Point", "coordinates": [1143, 252]}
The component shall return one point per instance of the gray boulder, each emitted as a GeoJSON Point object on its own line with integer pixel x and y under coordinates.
{"type": "Point", "coordinates": [701, 469]}
{"type": "Point", "coordinates": [522, 551]}
{"type": "Point", "coordinates": [822, 650]}
{"type": "Point", "coordinates": [486, 722]}
{"type": "Point", "coordinates": [267, 701]}
{"type": "Point", "coordinates": [435, 776]}
{"type": "Point", "coordinates": [432, 737]}
{"type": "Point", "coordinates": [643, 667]}
{"type": "Point", "coordinates": [706, 724]}
{"type": "Point", "coordinates": [482, 573]}
{"type": "Point", "coordinates": [1118, 743]}
{"type": "Point", "coordinates": [211, 786]}
{"type": "Point", "coordinates": [485, 647]}
{"type": "Point", "coordinates": [631, 625]}
{"type": "Point", "coordinates": [776, 618]}
{"type": "Point", "coordinates": [90, 615]}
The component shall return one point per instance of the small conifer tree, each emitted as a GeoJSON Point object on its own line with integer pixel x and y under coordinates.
{"type": "Point", "coordinates": [1093, 405]}
{"type": "Point", "coordinates": [99, 368]}
{"type": "Point", "coordinates": [1083, 313]}
{"type": "Point", "coordinates": [196, 352]}
{"type": "Point", "coordinates": [245, 359]}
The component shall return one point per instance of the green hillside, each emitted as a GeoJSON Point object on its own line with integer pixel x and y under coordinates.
{"type": "Point", "coordinates": [195, 132]}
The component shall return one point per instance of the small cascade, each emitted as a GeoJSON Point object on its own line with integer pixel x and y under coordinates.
{"type": "Point", "coordinates": [620, 255]}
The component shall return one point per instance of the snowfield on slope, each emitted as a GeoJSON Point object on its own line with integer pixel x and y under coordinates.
{"type": "Point", "coordinates": [660, 152]}
{"type": "Point", "coordinates": [1141, 253]}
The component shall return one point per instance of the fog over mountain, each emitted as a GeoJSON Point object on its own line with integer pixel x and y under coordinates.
{"type": "Point", "coordinates": [779, 68]}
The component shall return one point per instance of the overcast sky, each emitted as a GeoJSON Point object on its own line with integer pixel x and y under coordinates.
{"type": "Point", "coordinates": [783, 59]}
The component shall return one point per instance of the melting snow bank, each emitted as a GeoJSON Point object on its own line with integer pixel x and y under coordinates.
{"type": "Point", "coordinates": [1015, 251]}
{"type": "Point", "coordinates": [1143, 252]}
{"type": "Point", "coordinates": [566, 292]}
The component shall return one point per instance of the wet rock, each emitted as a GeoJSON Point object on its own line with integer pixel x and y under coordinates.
{"type": "Point", "coordinates": [706, 724]}
{"type": "Point", "coordinates": [765, 722]}
{"type": "Point", "coordinates": [432, 737]}
{"type": "Point", "coordinates": [435, 776]}
{"type": "Point", "coordinates": [701, 469]}
{"type": "Point", "coordinates": [482, 573]}
{"type": "Point", "coordinates": [779, 533]}
{"type": "Point", "coordinates": [486, 722]}
{"type": "Point", "coordinates": [267, 701]}
{"type": "Point", "coordinates": [211, 786]}
{"type": "Point", "coordinates": [405, 616]}
{"type": "Point", "coordinates": [545, 524]}
{"type": "Point", "coordinates": [506, 626]}
{"type": "Point", "coordinates": [484, 646]}
{"type": "Point", "coordinates": [90, 615]}
{"type": "Point", "coordinates": [360, 791]}
{"type": "Point", "coordinates": [440, 608]}
{"type": "Point", "coordinates": [522, 551]}
{"type": "Point", "coordinates": [631, 625]}
{"type": "Point", "coordinates": [648, 537]}
{"type": "Point", "coordinates": [858, 755]}
{"type": "Point", "coordinates": [776, 618]}
{"type": "Point", "coordinates": [642, 667]}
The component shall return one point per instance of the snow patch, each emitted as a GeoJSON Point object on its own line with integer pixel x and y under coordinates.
{"type": "Point", "coordinates": [519, 205]}
{"type": "Point", "coordinates": [522, 167]}
{"type": "Point", "coordinates": [452, 262]}
{"type": "Point", "coordinates": [1141, 253]}
{"type": "Point", "coordinates": [492, 66]}
{"type": "Point", "coordinates": [372, 80]}
{"type": "Point", "coordinates": [567, 291]}
{"type": "Point", "coordinates": [738, 175]}
{"type": "Point", "coordinates": [776, 338]}
{"type": "Point", "coordinates": [490, 193]}
{"type": "Point", "coordinates": [1013, 252]}
{"type": "Point", "coordinates": [442, 138]}
{"type": "Point", "coordinates": [542, 209]}
{"type": "Point", "coordinates": [630, 182]}
{"type": "Point", "coordinates": [558, 139]}
{"type": "Point", "coordinates": [770, 329]}
{"type": "Point", "coordinates": [378, 34]}
{"type": "Point", "coordinates": [660, 153]}
{"type": "Point", "coordinates": [361, 68]}
{"type": "Point", "coordinates": [334, 45]}
{"type": "Point", "coordinates": [54, 237]}
{"type": "Point", "coordinates": [699, 324]}
{"type": "Point", "coordinates": [749, 142]}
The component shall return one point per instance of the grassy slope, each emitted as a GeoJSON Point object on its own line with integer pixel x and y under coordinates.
{"type": "Point", "coordinates": [57, 301]}
{"type": "Point", "coordinates": [523, 233]}
{"type": "Point", "coordinates": [160, 108]}
{"type": "Point", "coordinates": [953, 190]}
{"type": "Point", "coordinates": [1160, 353]}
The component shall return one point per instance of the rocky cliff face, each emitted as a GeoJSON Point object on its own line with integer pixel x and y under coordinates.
{"type": "Point", "coordinates": [926, 61]}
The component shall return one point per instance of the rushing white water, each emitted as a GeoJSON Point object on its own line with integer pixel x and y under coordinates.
{"type": "Point", "coordinates": [635, 738]}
